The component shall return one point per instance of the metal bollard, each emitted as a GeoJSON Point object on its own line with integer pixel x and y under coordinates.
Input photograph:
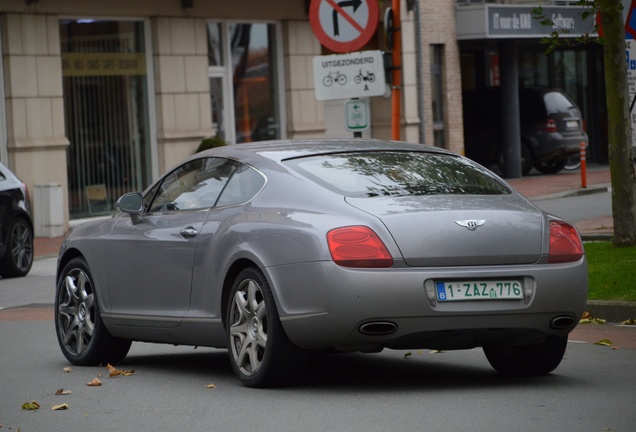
{"type": "Point", "coordinates": [583, 166]}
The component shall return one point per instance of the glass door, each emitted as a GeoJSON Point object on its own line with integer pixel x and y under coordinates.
{"type": "Point", "coordinates": [244, 90]}
{"type": "Point", "coordinates": [106, 112]}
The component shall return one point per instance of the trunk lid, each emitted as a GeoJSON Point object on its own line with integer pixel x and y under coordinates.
{"type": "Point", "coordinates": [460, 230]}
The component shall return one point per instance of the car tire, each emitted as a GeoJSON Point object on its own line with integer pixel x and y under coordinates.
{"type": "Point", "coordinates": [18, 257]}
{"type": "Point", "coordinates": [573, 162]}
{"type": "Point", "coordinates": [527, 160]}
{"type": "Point", "coordinates": [260, 352]}
{"type": "Point", "coordinates": [550, 167]}
{"type": "Point", "coordinates": [81, 333]}
{"type": "Point", "coordinates": [539, 359]}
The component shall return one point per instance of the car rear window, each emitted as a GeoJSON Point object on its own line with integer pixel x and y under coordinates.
{"type": "Point", "coordinates": [375, 174]}
{"type": "Point", "coordinates": [557, 102]}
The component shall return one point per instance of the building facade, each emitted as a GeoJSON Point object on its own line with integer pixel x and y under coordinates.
{"type": "Point", "coordinates": [100, 98]}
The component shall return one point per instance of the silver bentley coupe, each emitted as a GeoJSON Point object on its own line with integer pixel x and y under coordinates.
{"type": "Point", "coordinates": [277, 249]}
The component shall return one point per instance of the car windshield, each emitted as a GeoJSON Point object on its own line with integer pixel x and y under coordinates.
{"type": "Point", "coordinates": [394, 173]}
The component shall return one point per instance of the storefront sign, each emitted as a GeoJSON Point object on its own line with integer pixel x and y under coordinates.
{"type": "Point", "coordinates": [507, 21]}
{"type": "Point", "coordinates": [494, 21]}
{"type": "Point", "coordinates": [346, 76]}
{"type": "Point", "coordinates": [103, 64]}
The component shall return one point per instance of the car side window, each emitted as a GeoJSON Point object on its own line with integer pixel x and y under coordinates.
{"type": "Point", "coordinates": [194, 185]}
{"type": "Point", "coordinates": [245, 183]}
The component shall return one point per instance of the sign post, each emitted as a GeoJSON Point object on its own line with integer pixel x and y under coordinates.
{"type": "Point", "coordinates": [397, 70]}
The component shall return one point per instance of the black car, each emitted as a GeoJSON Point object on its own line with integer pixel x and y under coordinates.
{"type": "Point", "coordinates": [16, 226]}
{"type": "Point", "coordinates": [551, 128]}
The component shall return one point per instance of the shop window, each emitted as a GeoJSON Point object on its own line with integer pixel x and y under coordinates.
{"type": "Point", "coordinates": [106, 112]}
{"type": "Point", "coordinates": [493, 73]}
{"type": "Point", "coordinates": [243, 70]}
{"type": "Point", "coordinates": [437, 93]}
{"type": "Point", "coordinates": [533, 69]}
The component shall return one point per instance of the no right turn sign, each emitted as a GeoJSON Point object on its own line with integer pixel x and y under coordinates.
{"type": "Point", "coordinates": [344, 25]}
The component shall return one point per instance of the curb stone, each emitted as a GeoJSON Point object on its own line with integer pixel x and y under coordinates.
{"type": "Point", "coordinates": [612, 311]}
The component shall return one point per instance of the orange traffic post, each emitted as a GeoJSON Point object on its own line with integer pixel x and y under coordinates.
{"type": "Point", "coordinates": [397, 71]}
{"type": "Point", "coordinates": [583, 166]}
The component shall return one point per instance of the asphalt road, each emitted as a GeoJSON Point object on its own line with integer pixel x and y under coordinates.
{"type": "Point", "coordinates": [592, 390]}
{"type": "Point", "coordinates": [578, 208]}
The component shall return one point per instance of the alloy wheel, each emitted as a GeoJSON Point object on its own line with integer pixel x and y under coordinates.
{"type": "Point", "coordinates": [22, 246]}
{"type": "Point", "coordinates": [248, 327]}
{"type": "Point", "coordinates": [76, 312]}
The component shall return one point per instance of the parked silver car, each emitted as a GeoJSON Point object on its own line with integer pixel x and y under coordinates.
{"type": "Point", "coordinates": [276, 249]}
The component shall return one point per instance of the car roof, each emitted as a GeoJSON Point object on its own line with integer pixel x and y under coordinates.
{"type": "Point", "coordinates": [288, 149]}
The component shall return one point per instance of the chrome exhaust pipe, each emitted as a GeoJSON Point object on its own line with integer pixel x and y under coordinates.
{"type": "Point", "coordinates": [378, 328]}
{"type": "Point", "coordinates": [562, 322]}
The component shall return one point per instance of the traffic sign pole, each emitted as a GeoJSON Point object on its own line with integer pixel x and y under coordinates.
{"type": "Point", "coordinates": [397, 71]}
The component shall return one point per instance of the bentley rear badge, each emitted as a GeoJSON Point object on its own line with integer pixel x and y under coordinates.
{"type": "Point", "coordinates": [471, 224]}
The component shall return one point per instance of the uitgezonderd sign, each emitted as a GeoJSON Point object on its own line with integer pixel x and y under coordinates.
{"type": "Point", "coordinates": [346, 76]}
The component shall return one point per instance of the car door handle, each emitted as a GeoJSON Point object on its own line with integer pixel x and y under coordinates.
{"type": "Point", "coordinates": [189, 232]}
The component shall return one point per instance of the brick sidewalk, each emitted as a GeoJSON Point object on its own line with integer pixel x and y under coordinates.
{"type": "Point", "coordinates": [542, 185]}
{"type": "Point", "coordinates": [45, 246]}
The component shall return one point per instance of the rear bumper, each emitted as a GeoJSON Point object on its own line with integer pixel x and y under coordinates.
{"type": "Point", "coordinates": [554, 147]}
{"type": "Point", "coordinates": [322, 306]}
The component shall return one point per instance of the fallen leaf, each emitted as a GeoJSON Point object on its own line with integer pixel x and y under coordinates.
{"type": "Point", "coordinates": [615, 348]}
{"type": "Point", "coordinates": [604, 342]}
{"type": "Point", "coordinates": [408, 355]}
{"type": "Point", "coordinates": [61, 407]}
{"type": "Point", "coordinates": [95, 382]}
{"type": "Point", "coordinates": [113, 372]}
{"type": "Point", "coordinates": [68, 369]}
{"type": "Point", "coordinates": [211, 386]}
{"type": "Point", "coordinates": [62, 392]}
{"type": "Point", "coordinates": [592, 321]}
{"type": "Point", "coordinates": [437, 351]}
{"type": "Point", "coordinates": [586, 314]}
{"type": "Point", "coordinates": [630, 321]}
{"type": "Point", "coordinates": [31, 406]}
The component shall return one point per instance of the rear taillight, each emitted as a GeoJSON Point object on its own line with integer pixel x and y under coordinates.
{"type": "Point", "coordinates": [550, 126]}
{"type": "Point", "coordinates": [26, 192]}
{"type": "Point", "coordinates": [565, 243]}
{"type": "Point", "coordinates": [358, 246]}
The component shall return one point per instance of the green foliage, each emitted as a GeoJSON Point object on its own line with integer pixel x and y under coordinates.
{"type": "Point", "coordinates": [555, 40]}
{"type": "Point", "coordinates": [612, 271]}
{"type": "Point", "coordinates": [209, 143]}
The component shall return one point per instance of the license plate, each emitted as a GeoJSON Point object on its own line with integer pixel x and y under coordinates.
{"type": "Point", "coordinates": [479, 290]}
{"type": "Point", "coordinates": [571, 124]}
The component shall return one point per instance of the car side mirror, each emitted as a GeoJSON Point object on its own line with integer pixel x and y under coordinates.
{"type": "Point", "coordinates": [132, 204]}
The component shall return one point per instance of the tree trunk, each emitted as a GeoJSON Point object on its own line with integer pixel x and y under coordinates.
{"type": "Point", "coordinates": [621, 157]}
